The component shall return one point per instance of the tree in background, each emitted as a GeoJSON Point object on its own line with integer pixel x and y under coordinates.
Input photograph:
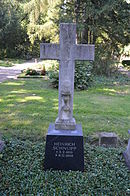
{"type": "Point", "coordinates": [41, 14]}
{"type": "Point", "coordinates": [103, 23]}
{"type": "Point", "coordinates": [26, 23]}
{"type": "Point", "coordinates": [12, 31]}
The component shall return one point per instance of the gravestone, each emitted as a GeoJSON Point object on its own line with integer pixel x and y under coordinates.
{"type": "Point", "coordinates": [126, 154]}
{"type": "Point", "coordinates": [64, 141]}
{"type": "Point", "coordinates": [108, 139]}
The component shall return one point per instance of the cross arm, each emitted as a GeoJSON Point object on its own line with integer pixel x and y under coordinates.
{"type": "Point", "coordinates": [49, 51]}
{"type": "Point", "coordinates": [84, 52]}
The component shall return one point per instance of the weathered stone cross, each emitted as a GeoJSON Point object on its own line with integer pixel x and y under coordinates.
{"type": "Point", "coordinates": [67, 52]}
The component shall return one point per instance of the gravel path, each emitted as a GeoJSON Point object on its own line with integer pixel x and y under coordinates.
{"type": "Point", "coordinates": [7, 73]}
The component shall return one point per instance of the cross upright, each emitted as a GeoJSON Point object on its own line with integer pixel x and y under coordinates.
{"type": "Point", "coordinates": [66, 52]}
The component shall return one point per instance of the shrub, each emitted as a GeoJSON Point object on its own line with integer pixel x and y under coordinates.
{"type": "Point", "coordinates": [53, 74]}
{"type": "Point", "coordinates": [31, 72]}
{"type": "Point", "coordinates": [104, 63]}
{"type": "Point", "coordinates": [83, 75]}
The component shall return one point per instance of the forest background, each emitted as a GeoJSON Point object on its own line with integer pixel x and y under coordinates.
{"type": "Point", "coordinates": [24, 24]}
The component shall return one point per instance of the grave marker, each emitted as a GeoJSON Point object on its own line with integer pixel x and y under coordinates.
{"type": "Point", "coordinates": [65, 129]}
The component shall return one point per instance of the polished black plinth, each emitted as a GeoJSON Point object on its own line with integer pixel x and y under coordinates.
{"type": "Point", "coordinates": [64, 149]}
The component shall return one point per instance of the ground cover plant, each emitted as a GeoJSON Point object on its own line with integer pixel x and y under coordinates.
{"type": "Point", "coordinates": [22, 172]}
{"type": "Point", "coordinates": [10, 62]}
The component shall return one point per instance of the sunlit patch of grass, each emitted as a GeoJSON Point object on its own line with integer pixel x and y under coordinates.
{"type": "Point", "coordinates": [14, 83]}
{"type": "Point", "coordinates": [30, 98]}
{"type": "Point", "coordinates": [110, 90]}
{"type": "Point", "coordinates": [21, 91]}
{"type": "Point", "coordinates": [117, 91]}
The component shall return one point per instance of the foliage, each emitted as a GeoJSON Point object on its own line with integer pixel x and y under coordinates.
{"type": "Point", "coordinates": [104, 64]}
{"type": "Point", "coordinates": [12, 30]}
{"type": "Point", "coordinates": [31, 72]}
{"type": "Point", "coordinates": [22, 172]}
{"type": "Point", "coordinates": [40, 15]}
{"type": "Point", "coordinates": [27, 106]}
{"type": "Point", "coordinates": [83, 75]}
{"type": "Point", "coordinates": [117, 80]}
{"type": "Point", "coordinates": [53, 74]}
{"type": "Point", "coordinates": [24, 24]}
{"type": "Point", "coordinates": [104, 23]}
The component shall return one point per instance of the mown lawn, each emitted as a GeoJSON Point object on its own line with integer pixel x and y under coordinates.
{"type": "Point", "coordinates": [27, 106]}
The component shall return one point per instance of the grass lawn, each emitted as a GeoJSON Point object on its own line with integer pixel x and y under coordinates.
{"type": "Point", "coordinates": [27, 106]}
{"type": "Point", "coordinates": [10, 62]}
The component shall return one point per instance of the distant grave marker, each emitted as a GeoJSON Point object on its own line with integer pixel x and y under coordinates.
{"type": "Point", "coordinates": [108, 139]}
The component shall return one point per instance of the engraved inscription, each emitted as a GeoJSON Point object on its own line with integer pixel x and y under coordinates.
{"type": "Point", "coordinates": [64, 149]}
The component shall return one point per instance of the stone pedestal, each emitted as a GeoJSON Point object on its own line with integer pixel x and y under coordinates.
{"type": "Point", "coordinates": [64, 149]}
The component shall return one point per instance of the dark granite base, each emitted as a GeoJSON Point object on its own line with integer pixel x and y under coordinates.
{"type": "Point", "coordinates": [64, 149]}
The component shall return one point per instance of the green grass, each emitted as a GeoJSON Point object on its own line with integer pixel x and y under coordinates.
{"type": "Point", "coordinates": [10, 62]}
{"type": "Point", "coordinates": [27, 106]}
{"type": "Point", "coordinates": [22, 172]}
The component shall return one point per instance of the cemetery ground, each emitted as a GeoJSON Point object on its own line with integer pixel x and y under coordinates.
{"type": "Point", "coordinates": [27, 106]}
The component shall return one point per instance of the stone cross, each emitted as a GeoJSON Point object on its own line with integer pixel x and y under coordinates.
{"type": "Point", "coordinates": [66, 52]}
